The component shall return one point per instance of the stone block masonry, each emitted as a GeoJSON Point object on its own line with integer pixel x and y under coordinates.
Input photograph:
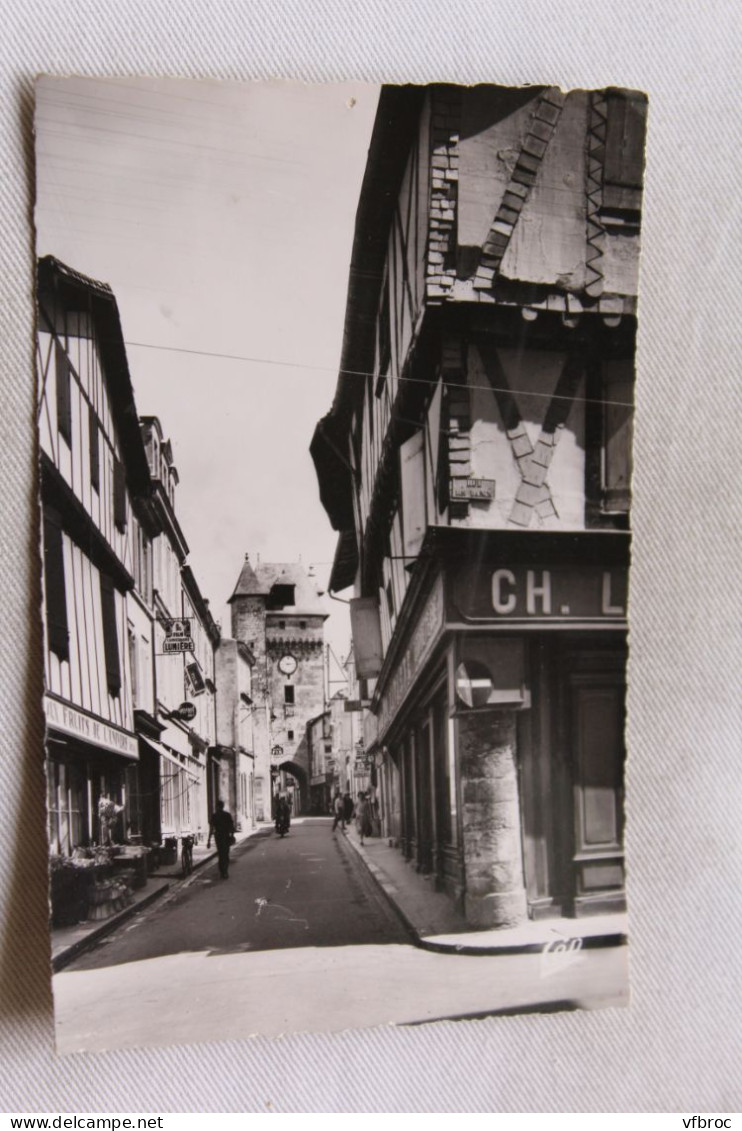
{"type": "Point", "coordinates": [493, 863]}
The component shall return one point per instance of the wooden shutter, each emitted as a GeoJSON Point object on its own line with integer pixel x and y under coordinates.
{"type": "Point", "coordinates": [110, 635]}
{"type": "Point", "coordinates": [385, 335]}
{"type": "Point", "coordinates": [412, 473]}
{"type": "Point", "coordinates": [94, 445]}
{"type": "Point", "coordinates": [434, 437]}
{"type": "Point", "coordinates": [119, 495]}
{"type": "Point", "coordinates": [624, 151]}
{"type": "Point", "coordinates": [64, 396]}
{"type": "Point", "coordinates": [56, 598]}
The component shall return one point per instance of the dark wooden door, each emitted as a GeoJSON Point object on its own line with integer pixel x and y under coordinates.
{"type": "Point", "coordinates": [596, 705]}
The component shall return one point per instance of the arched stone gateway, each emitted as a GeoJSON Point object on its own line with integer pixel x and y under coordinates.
{"type": "Point", "coordinates": [290, 777]}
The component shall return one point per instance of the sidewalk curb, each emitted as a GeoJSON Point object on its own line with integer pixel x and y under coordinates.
{"type": "Point", "coordinates": [74, 950]}
{"type": "Point", "coordinates": [388, 890]}
{"type": "Point", "coordinates": [589, 942]}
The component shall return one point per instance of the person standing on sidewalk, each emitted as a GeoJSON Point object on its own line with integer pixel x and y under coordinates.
{"type": "Point", "coordinates": [338, 806]}
{"type": "Point", "coordinates": [348, 807]}
{"type": "Point", "coordinates": [365, 816]}
{"type": "Point", "coordinates": [222, 830]}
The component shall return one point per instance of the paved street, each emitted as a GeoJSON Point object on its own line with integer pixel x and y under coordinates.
{"type": "Point", "coordinates": [301, 890]}
{"type": "Point", "coordinates": [297, 939]}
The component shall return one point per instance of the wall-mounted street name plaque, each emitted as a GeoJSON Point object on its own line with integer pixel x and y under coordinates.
{"type": "Point", "coordinates": [473, 489]}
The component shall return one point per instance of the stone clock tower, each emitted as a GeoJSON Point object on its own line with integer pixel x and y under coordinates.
{"type": "Point", "coordinates": [278, 610]}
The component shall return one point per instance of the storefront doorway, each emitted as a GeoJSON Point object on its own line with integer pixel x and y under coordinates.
{"type": "Point", "coordinates": [571, 747]}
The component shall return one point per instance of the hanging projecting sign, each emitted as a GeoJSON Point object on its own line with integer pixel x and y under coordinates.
{"type": "Point", "coordinates": [356, 705]}
{"type": "Point", "coordinates": [177, 635]}
{"type": "Point", "coordinates": [186, 712]}
{"type": "Point", "coordinates": [473, 684]}
{"type": "Point", "coordinates": [492, 673]}
{"type": "Point", "coordinates": [366, 630]}
{"type": "Point", "coordinates": [195, 679]}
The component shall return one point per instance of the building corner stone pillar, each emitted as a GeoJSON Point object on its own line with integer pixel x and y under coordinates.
{"type": "Point", "coordinates": [492, 845]}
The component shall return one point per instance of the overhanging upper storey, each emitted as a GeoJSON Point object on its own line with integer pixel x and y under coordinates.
{"type": "Point", "coordinates": [490, 315]}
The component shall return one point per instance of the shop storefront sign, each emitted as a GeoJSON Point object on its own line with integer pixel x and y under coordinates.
{"type": "Point", "coordinates": [420, 644]}
{"type": "Point", "coordinates": [69, 720]}
{"type": "Point", "coordinates": [563, 593]}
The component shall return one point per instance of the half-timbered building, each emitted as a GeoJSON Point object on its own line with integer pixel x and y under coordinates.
{"type": "Point", "coordinates": [185, 640]}
{"type": "Point", "coordinates": [96, 550]}
{"type": "Point", "coordinates": [476, 465]}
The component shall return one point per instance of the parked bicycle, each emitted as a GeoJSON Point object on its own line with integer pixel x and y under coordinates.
{"type": "Point", "coordinates": [186, 853]}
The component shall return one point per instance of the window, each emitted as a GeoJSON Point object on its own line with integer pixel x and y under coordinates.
{"type": "Point", "coordinates": [56, 598]}
{"type": "Point", "coordinates": [412, 482]}
{"type": "Point", "coordinates": [94, 445]}
{"type": "Point", "coordinates": [288, 694]}
{"type": "Point", "coordinates": [302, 624]}
{"type": "Point", "coordinates": [290, 735]}
{"type": "Point", "coordinates": [133, 666]}
{"type": "Point", "coordinates": [66, 807]}
{"type": "Point", "coordinates": [64, 394]}
{"type": "Point", "coordinates": [119, 495]}
{"type": "Point", "coordinates": [143, 565]}
{"type": "Point", "coordinates": [110, 636]}
{"type": "Point", "coordinates": [281, 596]}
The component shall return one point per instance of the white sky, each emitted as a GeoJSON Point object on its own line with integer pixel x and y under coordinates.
{"type": "Point", "coordinates": [222, 216]}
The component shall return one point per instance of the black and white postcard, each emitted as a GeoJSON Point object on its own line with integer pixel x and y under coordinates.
{"type": "Point", "coordinates": [335, 410]}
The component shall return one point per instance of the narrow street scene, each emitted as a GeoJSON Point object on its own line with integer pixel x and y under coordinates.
{"type": "Point", "coordinates": [302, 937]}
{"type": "Point", "coordinates": [302, 890]}
{"type": "Point", "coordinates": [335, 416]}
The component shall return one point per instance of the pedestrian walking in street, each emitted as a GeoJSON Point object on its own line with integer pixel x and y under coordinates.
{"type": "Point", "coordinates": [338, 807]}
{"type": "Point", "coordinates": [365, 816]}
{"type": "Point", "coordinates": [283, 814]}
{"type": "Point", "coordinates": [348, 806]}
{"type": "Point", "coordinates": [222, 829]}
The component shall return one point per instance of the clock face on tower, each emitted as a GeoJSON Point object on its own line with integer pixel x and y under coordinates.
{"type": "Point", "coordinates": [287, 664]}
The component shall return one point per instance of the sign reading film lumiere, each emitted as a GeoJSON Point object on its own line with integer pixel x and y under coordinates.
{"type": "Point", "coordinates": [178, 637]}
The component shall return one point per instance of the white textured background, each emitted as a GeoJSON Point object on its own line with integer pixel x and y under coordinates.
{"type": "Point", "coordinates": [674, 1049]}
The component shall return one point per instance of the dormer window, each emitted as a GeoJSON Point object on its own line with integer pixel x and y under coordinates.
{"type": "Point", "coordinates": [281, 596]}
